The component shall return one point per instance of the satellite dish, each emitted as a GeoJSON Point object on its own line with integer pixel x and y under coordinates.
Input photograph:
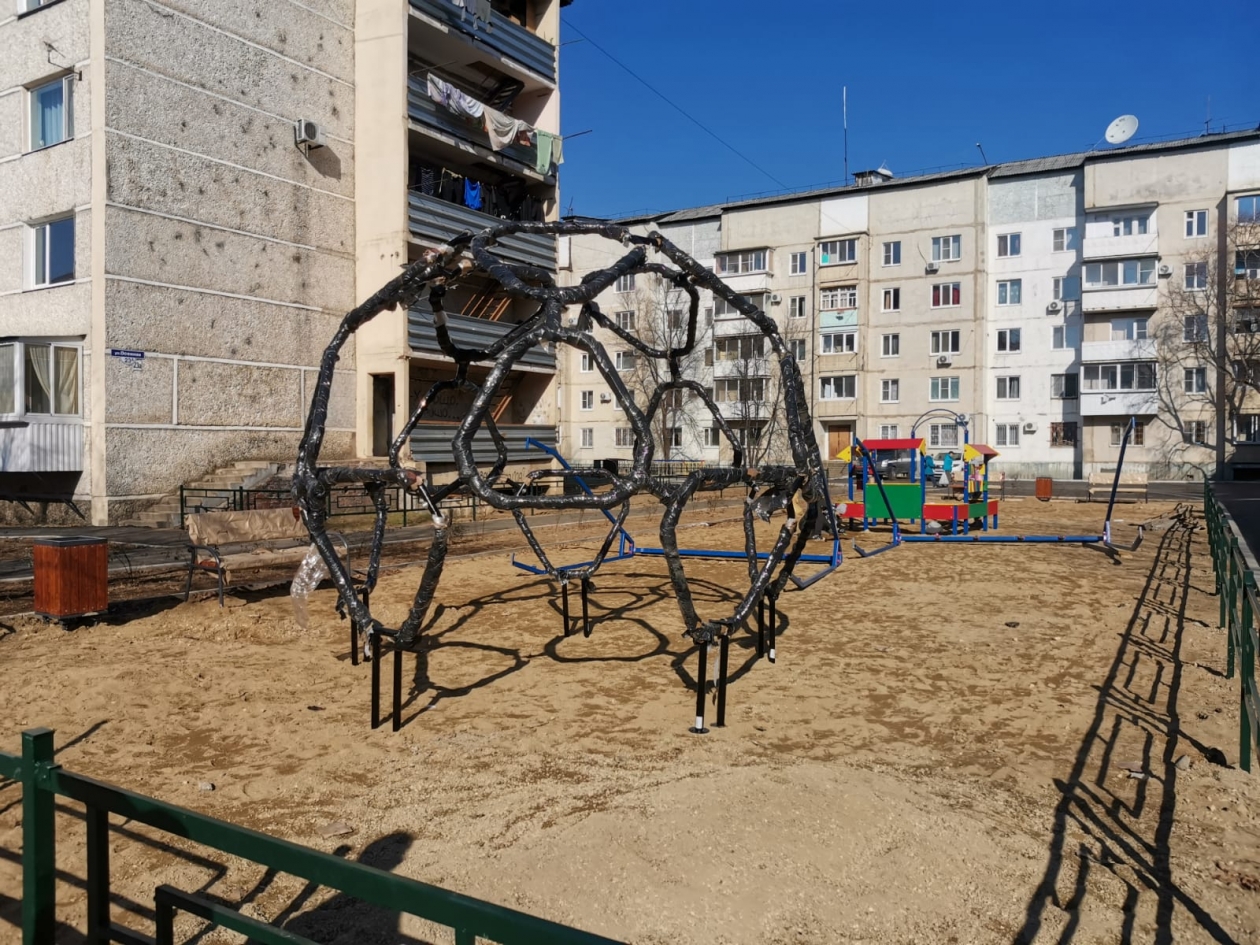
{"type": "Point", "coordinates": [1122, 129]}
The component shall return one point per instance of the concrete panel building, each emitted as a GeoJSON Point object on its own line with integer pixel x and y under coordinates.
{"type": "Point", "coordinates": [177, 258]}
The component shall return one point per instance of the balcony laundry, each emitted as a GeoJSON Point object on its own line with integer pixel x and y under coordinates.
{"type": "Point", "coordinates": [456, 101]}
{"type": "Point", "coordinates": [504, 130]}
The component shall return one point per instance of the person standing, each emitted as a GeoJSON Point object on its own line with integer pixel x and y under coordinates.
{"type": "Point", "coordinates": [929, 467]}
{"type": "Point", "coordinates": [947, 470]}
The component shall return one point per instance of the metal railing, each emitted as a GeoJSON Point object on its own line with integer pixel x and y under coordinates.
{"type": "Point", "coordinates": [43, 781]}
{"type": "Point", "coordinates": [342, 501]}
{"type": "Point", "coordinates": [1240, 607]}
{"type": "Point", "coordinates": [504, 38]}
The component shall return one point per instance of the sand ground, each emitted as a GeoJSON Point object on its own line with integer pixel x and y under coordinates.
{"type": "Point", "coordinates": [939, 755]}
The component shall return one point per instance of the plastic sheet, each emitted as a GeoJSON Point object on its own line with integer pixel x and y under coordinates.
{"type": "Point", "coordinates": [310, 572]}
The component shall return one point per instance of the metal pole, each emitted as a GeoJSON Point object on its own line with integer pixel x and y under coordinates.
{"type": "Point", "coordinates": [773, 620]}
{"type": "Point", "coordinates": [761, 628]}
{"type": "Point", "coordinates": [564, 597]}
{"type": "Point", "coordinates": [97, 876]}
{"type": "Point", "coordinates": [39, 841]}
{"type": "Point", "coordinates": [723, 651]}
{"type": "Point", "coordinates": [397, 708]}
{"type": "Point", "coordinates": [586, 617]}
{"type": "Point", "coordinates": [376, 679]}
{"type": "Point", "coordinates": [701, 684]}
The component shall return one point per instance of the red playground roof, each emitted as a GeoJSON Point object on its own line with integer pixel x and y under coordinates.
{"type": "Point", "coordinates": [983, 450]}
{"type": "Point", "coordinates": [907, 443]}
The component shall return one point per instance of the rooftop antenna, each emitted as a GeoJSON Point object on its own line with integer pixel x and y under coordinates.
{"type": "Point", "coordinates": [1121, 130]}
{"type": "Point", "coordinates": [982, 157]}
{"type": "Point", "coordinates": [1207, 122]}
{"type": "Point", "coordinates": [845, 94]}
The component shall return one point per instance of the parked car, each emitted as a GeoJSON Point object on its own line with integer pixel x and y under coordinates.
{"type": "Point", "coordinates": [893, 464]}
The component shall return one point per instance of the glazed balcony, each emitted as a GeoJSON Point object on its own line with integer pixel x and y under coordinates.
{"type": "Point", "coordinates": [504, 40]}
{"type": "Point", "coordinates": [434, 222]}
{"type": "Point", "coordinates": [1142, 349]}
{"type": "Point", "coordinates": [469, 333]}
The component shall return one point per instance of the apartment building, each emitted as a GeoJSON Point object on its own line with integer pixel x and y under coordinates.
{"type": "Point", "coordinates": [1034, 306]}
{"type": "Point", "coordinates": [177, 255]}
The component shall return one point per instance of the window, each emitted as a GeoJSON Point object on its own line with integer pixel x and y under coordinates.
{"type": "Point", "coordinates": [1064, 336]}
{"type": "Point", "coordinates": [749, 260]}
{"type": "Point", "coordinates": [1065, 386]}
{"type": "Point", "coordinates": [1196, 223]}
{"type": "Point", "coordinates": [725, 309]}
{"type": "Point", "coordinates": [1067, 288]}
{"type": "Point", "coordinates": [587, 364]}
{"type": "Point", "coordinates": [796, 306]}
{"type": "Point", "coordinates": [840, 387]}
{"type": "Point", "coordinates": [8, 378]}
{"type": "Point", "coordinates": [1006, 434]}
{"type": "Point", "coordinates": [1128, 329]}
{"type": "Point", "coordinates": [1063, 434]}
{"type": "Point", "coordinates": [1194, 328]}
{"type": "Point", "coordinates": [943, 434]}
{"type": "Point", "coordinates": [588, 400]}
{"type": "Point", "coordinates": [733, 389]}
{"type": "Point", "coordinates": [1138, 375]}
{"type": "Point", "coordinates": [947, 295]}
{"type": "Point", "coordinates": [799, 263]}
{"type": "Point", "coordinates": [1196, 276]}
{"type": "Point", "coordinates": [890, 346]}
{"type": "Point", "coordinates": [945, 248]}
{"type": "Point", "coordinates": [838, 297]}
{"type": "Point", "coordinates": [623, 436]}
{"type": "Point", "coordinates": [946, 342]}
{"type": "Point", "coordinates": [672, 400]}
{"type": "Point", "coordinates": [797, 348]}
{"type": "Point", "coordinates": [1196, 380]}
{"type": "Point", "coordinates": [1139, 433]}
{"type": "Point", "coordinates": [1247, 428]}
{"type": "Point", "coordinates": [625, 360]}
{"type": "Point", "coordinates": [712, 436]}
{"type": "Point", "coordinates": [51, 121]}
{"type": "Point", "coordinates": [833, 252]}
{"type": "Point", "coordinates": [588, 437]}
{"type": "Point", "coordinates": [675, 436]}
{"type": "Point", "coordinates": [52, 251]}
{"type": "Point", "coordinates": [1129, 226]}
{"type": "Point", "coordinates": [943, 388]}
{"type": "Point", "coordinates": [1196, 432]}
{"type": "Point", "coordinates": [50, 378]}
{"type": "Point", "coordinates": [708, 357]}
{"type": "Point", "coordinates": [741, 347]}
{"type": "Point", "coordinates": [889, 391]}
{"type": "Point", "coordinates": [839, 342]}
{"type": "Point", "coordinates": [26, 6]}
{"type": "Point", "coordinates": [1124, 272]}
{"type": "Point", "coordinates": [1247, 264]}
{"type": "Point", "coordinates": [892, 253]}
{"type": "Point", "coordinates": [1008, 244]}
{"type": "Point", "coordinates": [1248, 209]}
{"type": "Point", "coordinates": [888, 431]}
{"type": "Point", "coordinates": [1009, 340]}
{"type": "Point", "coordinates": [892, 300]}
{"type": "Point", "coordinates": [1008, 388]}
{"type": "Point", "coordinates": [625, 321]}
{"type": "Point", "coordinates": [677, 319]}
{"type": "Point", "coordinates": [1064, 239]}
{"type": "Point", "coordinates": [1009, 291]}
{"type": "Point", "coordinates": [625, 283]}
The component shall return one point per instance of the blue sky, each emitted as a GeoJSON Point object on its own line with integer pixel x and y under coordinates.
{"type": "Point", "coordinates": [926, 81]}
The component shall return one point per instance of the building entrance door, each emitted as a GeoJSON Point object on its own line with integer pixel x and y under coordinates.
{"type": "Point", "coordinates": [839, 436]}
{"type": "Point", "coordinates": [382, 413]}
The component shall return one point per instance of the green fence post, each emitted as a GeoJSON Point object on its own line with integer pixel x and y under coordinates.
{"type": "Point", "coordinates": [1248, 671]}
{"type": "Point", "coordinates": [39, 848]}
{"type": "Point", "coordinates": [97, 876]}
{"type": "Point", "coordinates": [1227, 608]}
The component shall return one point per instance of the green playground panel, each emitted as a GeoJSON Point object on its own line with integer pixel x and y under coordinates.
{"type": "Point", "coordinates": [906, 500]}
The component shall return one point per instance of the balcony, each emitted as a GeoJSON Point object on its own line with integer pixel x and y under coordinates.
{"type": "Point", "coordinates": [504, 39]}
{"type": "Point", "coordinates": [469, 333]}
{"type": "Point", "coordinates": [743, 410]}
{"type": "Point", "coordinates": [751, 367]}
{"type": "Point", "coordinates": [1123, 350]}
{"type": "Point", "coordinates": [1118, 403]}
{"type": "Point", "coordinates": [747, 283]}
{"type": "Point", "coordinates": [424, 111]}
{"type": "Point", "coordinates": [724, 326]}
{"type": "Point", "coordinates": [431, 443]}
{"type": "Point", "coordinates": [1120, 298]}
{"type": "Point", "coordinates": [433, 222]}
{"type": "Point", "coordinates": [1111, 247]}
{"type": "Point", "coordinates": [41, 446]}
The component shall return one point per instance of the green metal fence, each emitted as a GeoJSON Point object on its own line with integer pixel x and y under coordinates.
{"type": "Point", "coordinates": [1240, 611]}
{"type": "Point", "coordinates": [43, 780]}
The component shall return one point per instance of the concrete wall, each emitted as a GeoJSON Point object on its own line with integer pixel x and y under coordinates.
{"type": "Point", "coordinates": [229, 254]}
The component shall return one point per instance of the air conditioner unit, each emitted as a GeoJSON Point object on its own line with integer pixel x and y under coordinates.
{"type": "Point", "coordinates": [308, 134]}
{"type": "Point", "coordinates": [1054, 306]}
{"type": "Point", "coordinates": [1030, 428]}
{"type": "Point", "coordinates": [1165, 270]}
{"type": "Point", "coordinates": [605, 398]}
{"type": "Point", "coordinates": [943, 360]}
{"type": "Point", "coordinates": [933, 267]}
{"type": "Point", "coordinates": [775, 298]}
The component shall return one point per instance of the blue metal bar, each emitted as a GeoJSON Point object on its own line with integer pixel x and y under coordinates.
{"type": "Point", "coordinates": [1005, 539]}
{"type": "Point", "coordinates": [568, 567]}
{"type": "Point", "coordinates": [715, 553]}
{"type": "Point", "coordinates": [863, 553]}
{"type": "Point", "coordinates": [1115, 482]}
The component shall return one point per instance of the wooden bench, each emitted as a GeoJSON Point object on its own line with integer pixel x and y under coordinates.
{"type": "Point", "coordinates": [223, 542]}
{"type": "Point", "coordinates": [1131, 485]}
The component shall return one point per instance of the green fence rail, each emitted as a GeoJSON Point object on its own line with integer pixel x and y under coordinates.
{"type": "Point", "coordinates": [43, 780]}
{"type": "Point", "coordinates": [1240, 611]}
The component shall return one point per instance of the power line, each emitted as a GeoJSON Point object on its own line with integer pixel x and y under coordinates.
{"type": "Point", "coordinates": [678, 108]}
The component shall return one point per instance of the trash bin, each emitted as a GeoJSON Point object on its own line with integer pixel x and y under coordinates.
{"type": "Point", "coordinates": [1045, 488]}
{"type": "Point", "coordinates": [71, 576]}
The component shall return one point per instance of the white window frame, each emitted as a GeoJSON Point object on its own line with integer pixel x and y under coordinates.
{"type": "Point", "coordinates": [20, 411]}
{"type": "Point", "coordinates": [1111, 377]}
{"type": "Point", "coordinates": [1131, 226]}
{"type": "Point", "coordinates": [937, 439]}
{"type": "Point", "coordinates": [587, 438]}
{"type": "Point", "coordinates": [67, 116]}
{"type": "Point", "coordinates": [1194, 380]}
{"type": "Point", "coordinates": [1006, 434]}
{"type": "Point", "coordinates": [939, 290]}
{"type": "Point", "coordinates": [796, 306]}
{"type": "Point", "coordinates": [1141, 267]}
{"type": "Point", "coordinates": [1010, 340]}
{"type": "Point", "coordinates": [586, 363]}
{"type": "Point", "coordinates": [949, 384]}
{"type": "Point", "coordinates": [798, 264]}
{"type": "Point", "coordinates": [32, 245]}
{"type": "Point", "coordinates": [1064, 284]}
{"type": "Point", "coordinates": [1196, 224]}
{"type": "Point", "coordinates": [946, 341]}
{"type": "Point", "coordinates": [1139, 434]}
{"type": "Point", "coordinates": [1194, 328]}
{"type": "Point", "coordinates": [796, 347]}
{"type": "Point", "coordinates": [586, 400]}
{"type": "Point", "coordinates": [1063, 239]}
{"type": "Point", "coordinates": [1009, 245]}
{"type": "Point", "coordinates": [892, 253]}
{"type": "Point", "coordinates": [1010, 292]}
{"type": "Point", "coordinates": [1195, 276]}
{"type": "Point", "coordinates": [839, 341]}
{"type": "Point", "coordinates": [890, 345]}
{"type": "Point", "coordinates": [741, 262]}
{"type": "Point", "coordinates": [625, 283]}
{"type": "Point", "coordinates": [1252, 203]}
{"type": "Point", "coordinates": [712, 436]}
{"type": "Point", "coordinates": [1196, 432]}
{"type": "Point", "coordinates": [890, 390]}
{"type": "Point", "coordinates": [623, 437]}
{"type": "Point", "coordinates": [624, 320]}
{"type": "Point", "coordinates": [889, 431]}
{"type": "Point", "coordinates": [828, 384]}
{"type": "Point", "coordinates": [1006, 384]}
{"type": "Point", "coordinates": [842, 252]}
{"type": "Point", "coordinates": [947, 248]}
{"type": "Point", "coordinates": [627, 360]}
{"type": "Point", "coordinates": [890, 295]}
{"type": "Point", "coordinates": [1059, 386]}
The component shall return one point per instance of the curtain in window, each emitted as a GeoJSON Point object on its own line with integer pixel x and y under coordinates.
{"type": "Point", "coordinates": [8, 375]}
{"type": "Point", "coordinates": [66, 364]}
{"type": "Point", "coordinates": [49, 115]}
{"type": "Point", "coordinates": [38, 379]}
